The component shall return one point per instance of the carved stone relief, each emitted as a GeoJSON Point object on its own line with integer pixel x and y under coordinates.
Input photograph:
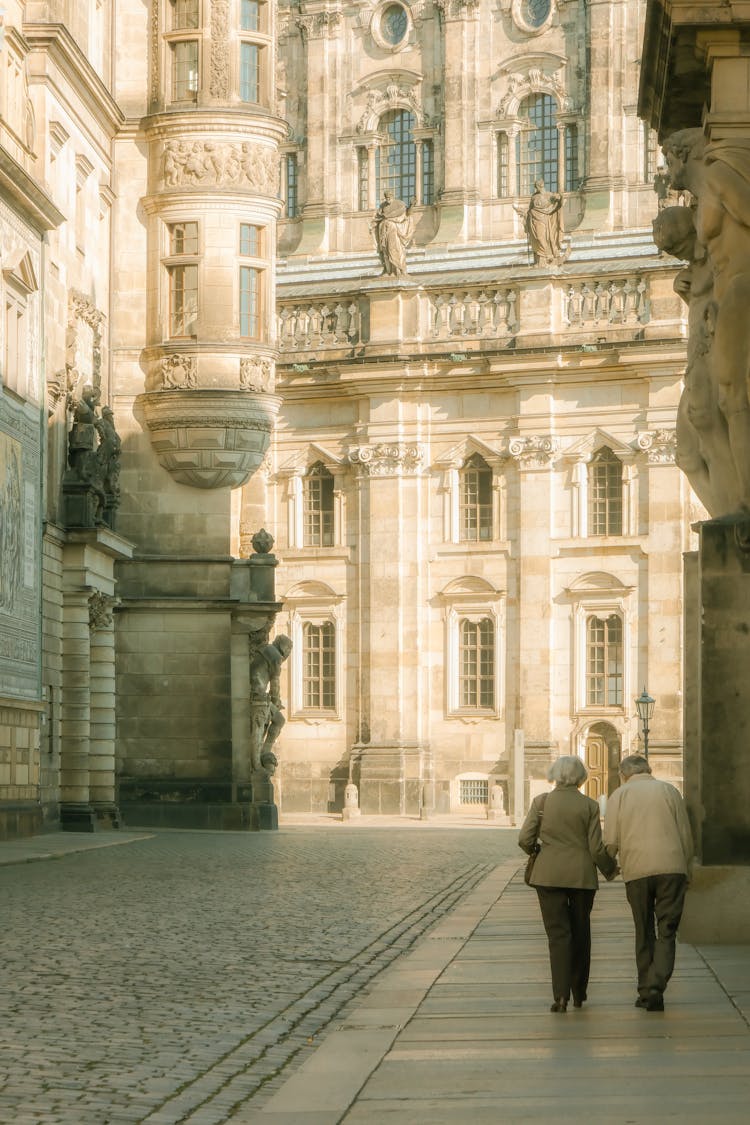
{"type": "Point", "coordinates": [318, 25]}
{"type": "Point", "coordinates": [257, 374]}
{"type": "Point", "coordinates": [219, 79]}
{"type": "Point", "coordinates": [457, 9]}
{"type": "Point", "coordinates": [532, 452]}
{"type": "Point", "coordinates": [534, 81]}
{"type": "Point", "coordinates": [393, 97]}
{"type": "Point", "coordinates": [100, 611]}
{"type": "Point", "coordinates": [154, 51]}
{"type": "Point", "coordinates": [205, 164]}
{"type": "Point", "coordinates": [178, 372]}
{"type": "Point", "coordinates": [83, 345]}
{"type": "Point", "coordinates": [660, 446]}
{"type": "Point", "coordinates": [386, 459]}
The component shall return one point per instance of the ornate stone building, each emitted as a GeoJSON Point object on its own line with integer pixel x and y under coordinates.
{"type": "Point", "coordinates": [471, 482]}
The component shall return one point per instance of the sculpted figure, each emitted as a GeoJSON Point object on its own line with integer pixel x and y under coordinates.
{"type": "Point", "coordinates": [394, 229]}
{"type": "Point", "coordinates": [265, 701]}
{"type": "Point", "coordinates": [82, 437]}
{"type": "Point", "coordinates": [543, 225]}
{"type": "Point", "coordinates": [108, 456]}
{"type": "Point", "coordinates": [718, 176]}
{"type": "Point", "coordinates": [703, 451]}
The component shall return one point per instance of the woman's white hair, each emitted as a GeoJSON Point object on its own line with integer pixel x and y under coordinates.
{"type": "Point", "coordinates": [567, 770]}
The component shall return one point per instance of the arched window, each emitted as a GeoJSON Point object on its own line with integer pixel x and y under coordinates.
{"type": "Point", "coordinates": [319, 666]}
{"type": "Point", "coordinates": [537, 144]}
{"type": "Point", "coordinates": [477, 665]}
{"type": "Point", "coordinates": [605, 493]}
{"type": "Point", "coordinates": [604, 661]}
{"type": "Point", "coordinates": [396, 156]}
{"type": "Point", "coordinates": [476, 500]}
{"type": "Point", "coordinates": [318, 507]}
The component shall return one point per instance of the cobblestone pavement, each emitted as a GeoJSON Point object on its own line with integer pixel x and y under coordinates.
{"type": "Point", "coordinates": [175, 978]}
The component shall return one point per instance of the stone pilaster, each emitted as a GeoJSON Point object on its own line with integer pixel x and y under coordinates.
{"type": "Point", "coordinates": [102, 716]}
{"type": "Point", "coordinates": [461, 31]}
{"type": "Point", "coordinates": [76, 813]}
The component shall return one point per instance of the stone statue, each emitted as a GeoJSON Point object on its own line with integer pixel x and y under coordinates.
{"type": "Point", "coordinates": [82, 436]}
{"type": "Point", "coordinates": [393, 228]}
{"type": "Point", "coordinates": [718, 176]}
{"type": "Point", "coordinates": [702, 435]}
{"type": "Point", "coordinates": [543, 224]}
{"type": "Point", "coordinates": [266, 719]}
{"type": "Point", "coordinates": [92, 481]}
{"type": "Point", "coordinates": [108, 461]}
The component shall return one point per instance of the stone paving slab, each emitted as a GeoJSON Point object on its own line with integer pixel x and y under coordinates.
{"type": "Point", "coordinates": [54, 845]}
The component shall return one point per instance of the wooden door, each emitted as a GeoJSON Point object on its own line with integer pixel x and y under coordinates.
{"type": "Point", "coordinates": [597, 765]}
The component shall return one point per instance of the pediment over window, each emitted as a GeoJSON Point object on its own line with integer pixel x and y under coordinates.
{"type": "Point", "coordinates": [303, 590]}
{"type": "Point", "coordinates": [597, 582]}
{"type": "Point", "coordinates": [301, 461]}
{"type": "Point", "coordinates": [458, 454]}
{"type": "Point", "coordinates": [470, 592]}
{"type": "Point", "coordinates": [19, 269]}
{"type": "Point", "coordinates": [584, 448]}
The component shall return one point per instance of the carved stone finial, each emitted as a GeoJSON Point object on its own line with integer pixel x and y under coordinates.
{"type": "Point", "coordinates": [262, 542]}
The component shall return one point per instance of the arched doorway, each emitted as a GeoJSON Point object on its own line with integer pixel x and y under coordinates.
{"type": "Point", "coordinates": [602, 755]}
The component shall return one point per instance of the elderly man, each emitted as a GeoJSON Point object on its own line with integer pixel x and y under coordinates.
{"type": "Point", "coordinates": [647, 827]}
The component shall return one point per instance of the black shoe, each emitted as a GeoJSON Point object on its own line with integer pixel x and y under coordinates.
{"type": "Point", "coordinates": [559, 1005]}
{"type": "Point", "coordinates": [655, 1002]}
{"type": "Point", "coordinates": [578, 1001]}
{"type": "Point", "coordinates": [640, 1002]}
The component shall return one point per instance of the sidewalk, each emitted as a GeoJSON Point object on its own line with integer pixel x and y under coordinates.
{"type": "Point", "coordinates": [458, 1032]}
{"type": "Point", "coordinates": [53, 845]}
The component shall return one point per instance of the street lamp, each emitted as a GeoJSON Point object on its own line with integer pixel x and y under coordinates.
{"type": "Point", "coordinates": [644, 705]}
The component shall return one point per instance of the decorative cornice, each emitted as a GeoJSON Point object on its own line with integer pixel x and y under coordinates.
{"type": "Point", "coordinates": [319, 25]}
{"type": "Point", "coordinates": [457, 9]}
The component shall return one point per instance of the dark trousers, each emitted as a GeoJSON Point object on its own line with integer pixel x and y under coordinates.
{"type": "Point", "coordinates": [566, 913]}
{"type": "Point", "coordinates": [656, 902]}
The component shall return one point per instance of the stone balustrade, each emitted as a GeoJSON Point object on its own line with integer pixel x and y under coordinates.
{"type": "Point", "coordinates": [623, 300]}
{"type": "Point", "coordinates": [487, 312]}
{"type": "Point", "coordinates": [312, 325]}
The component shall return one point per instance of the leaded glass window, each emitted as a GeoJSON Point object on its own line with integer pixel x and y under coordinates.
{"type": "Point", "coordinates": [537, 144]}
{"type": "Point", "coordinates": [396, 156]}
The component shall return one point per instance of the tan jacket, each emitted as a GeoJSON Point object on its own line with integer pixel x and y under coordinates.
{"type": "Point", "coordinates": [647, 827]}
{"type": "Point", "coordinates": [571, 839]}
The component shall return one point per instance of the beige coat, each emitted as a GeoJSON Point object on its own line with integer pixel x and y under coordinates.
{"type": "Point", "coordinates": [647, 827]}
{"type": "Point", "coordinates": [571, 840]}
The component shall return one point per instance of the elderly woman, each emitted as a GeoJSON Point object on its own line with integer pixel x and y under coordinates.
{"type": "Point", "coordinates": [565, 823]}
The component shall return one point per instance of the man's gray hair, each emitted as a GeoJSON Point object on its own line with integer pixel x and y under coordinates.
{"type": "Point", "coordinates": [634, 763]}
{"type": "Point", "coordinates": [567, 770]}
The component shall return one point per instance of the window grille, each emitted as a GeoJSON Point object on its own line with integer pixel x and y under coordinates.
{"type": "Point", "coordinates": [604, 662]}
{"type": "Point", "coordinates": [474, 792]}
{"type": "Point", "coordinates": [396, 156]}
{"type": "Point", "coordinates": [291, 185]}
{"type": "Point", "coordinates": [605, 493]}
{"type": "Point", "coordinates": [319, 666]}
{"type": "Point", "coordinates": [428, 173]}
{"type": "Point", "coordinates": [476, 500]}
{"type": "Point", "coordinates": [318, 507]}
{"type": "Point", "coordinates": [477, 664]}
{"type": "Point", "coordinates": [537, 144]}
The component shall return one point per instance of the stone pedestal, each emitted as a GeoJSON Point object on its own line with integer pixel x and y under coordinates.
{"type": "Point", "coordinates": [717, 778]}
{"type": "Point", "coordinates": [390, 780]}
{"type": "Point", "coordinates": [351, 803]}
{"type": "Point", "coordinates": [264, 814]}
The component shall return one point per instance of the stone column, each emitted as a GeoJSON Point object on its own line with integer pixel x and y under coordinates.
{"type": "Point", "coordinates": [609, 43]}
{"type": "Point", "coordinates": [76, 812]}
{"type": "Point", "coordinates": [102, 718]}
{"type": "Point", "coordinates": [393, 753]}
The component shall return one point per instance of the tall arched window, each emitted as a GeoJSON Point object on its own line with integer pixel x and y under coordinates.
{"type": "Point", "coordinates": [604, 662]}
{"type": "Point", "coordinates": [537, 144]}
{"type": "Point", "coordinates": [477, 665]}
{"type": "Point", "coordinates": [318, 507]}
{"type": "Point", "coordinates": [396, 156]}
{"type": "Point", "coordinates": [605, 493]}
{"type": "Point", "coordinates": [476, 500]}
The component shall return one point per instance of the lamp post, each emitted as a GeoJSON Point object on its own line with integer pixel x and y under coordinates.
{"type": "Point", "coordinates": [644, 705]}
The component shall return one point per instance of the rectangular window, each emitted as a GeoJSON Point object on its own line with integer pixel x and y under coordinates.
{"type": "Point", "coordinates": [318, 508]}
{"type": "Point", "coordinates": [14, 367]}
{"type": "Point", "coordinates": [184, 69]}
{"type": "Point", "coordinates": [502, 165]}
{"type": "Point", "coordinates": [476, 501]}
{"type": "Point", "coordinates": [477, 663]}
{"type": "Point", "coordinates": [250, 302]}
{"type": "Point", "coordinates": [604, 662]}
{"type": "Point", "coordinates": [249, 72]}
{"type": "Point", "coordinates": [183, 300]}
{"type": "Point", "coordinates": [572, 179]}
{"type": "Point", "coordinates": [290, 165]}
{"type": "Point", "coordinates": [650, 153]}
{"type": "Point", "coordinates": [363, 179]}
{"type": "Point", "coordinates": [250, 15]}
{"type": "Point", "coordinates": [474, 792]}
{"type": "Point", "coordinates": [183, 238]}
{"type": "Point", "coordinates": [605, 494]}
{"type": "Point", "coordinates": [428, 173]}
{"type": "Point", "coordinates": [319, 667]}
{"type": "Point", "coordinates": [251, 240]}
{"type": "Point", "coordinates": [185, 13]}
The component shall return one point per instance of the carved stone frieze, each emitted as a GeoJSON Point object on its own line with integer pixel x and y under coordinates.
{"type": "Point", "coordinates": [386, 459]}
{"type": "Point", "coordinates": [178, 372]}
{"type": "Point", "coordinates": [219, 78]}
{"type": "Point", "coordinates": [457, 9]}
{"type": "Point", "coordinates": [533, 81]}
{"type": "Point", "coordinates": [660, 446]}
{"type": "Point", "coordinates": [204, 164]}
{"type": "Point", "coordinates": [393, 97]}
{"type": "Point", "coordinates": [154, 52]}
{"type": "Point", "coordinates": [318, 25]}
{"type": "Point", "coordinates": [257, 373]}
{"type": "Point", "coordinates": [100, 611]}
{"type": "Point", "coordinates": [533, 452]}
